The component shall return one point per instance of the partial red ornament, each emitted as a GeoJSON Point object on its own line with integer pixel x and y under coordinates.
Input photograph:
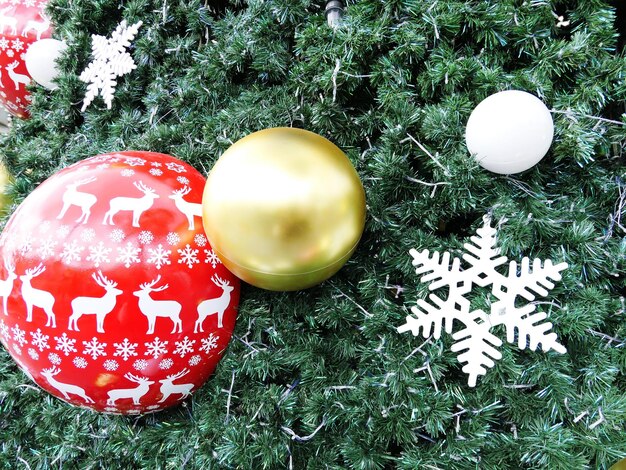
{"type": "Point", "coordinates": [22, 22]}
{"type": "Point", "coordinates": [113, 298]}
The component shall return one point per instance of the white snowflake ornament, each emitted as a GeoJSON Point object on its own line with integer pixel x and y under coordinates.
{"type": "Point", "coordinates": [110, 61]}
{"type": "Point", "coordinates": [475, 342]}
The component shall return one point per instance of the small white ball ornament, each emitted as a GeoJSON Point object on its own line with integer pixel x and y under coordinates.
{"type": "Point", "coordinates": [41, 59]}
{"type": "Point", "coordinates": [509, 132]}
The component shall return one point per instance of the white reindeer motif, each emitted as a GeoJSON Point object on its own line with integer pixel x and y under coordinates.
{"type": "Point", "coordinates": [190, 209]}
{"type": "Point", "coordinates": [137, 205]}
{"type": "Point", "coordinates": [40, 27]}
{"type": "Point", "coordinates": [169, 388]}
{"type": "Point", "coordinates": [37, 297]}
{"type": "Point", "coordinates": [217, 305]}
{"type": "Point", "coordinates": [62, 387]}
{"type": "Point", "coordinates": [72, 197]}
{"type": "Point", "coordinates": [6, 20]}
{"type": "Point", "coordinates": [17, 77]}
{"type": "Point", "coordinates": [98, 306]}
{"type": "Point", "coordinates": [158, 308]}
{"type": "Point", "coordinates": [6, 285]}
{"type": "Point", "coordinates": [135, 393]}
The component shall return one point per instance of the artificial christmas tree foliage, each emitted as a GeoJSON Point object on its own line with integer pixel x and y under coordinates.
{"type": "Point", "coordinates": [321, 378]}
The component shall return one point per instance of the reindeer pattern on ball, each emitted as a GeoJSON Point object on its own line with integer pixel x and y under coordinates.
{"type": "Point", "coordinates": [37, 297]}
{"type": "Point", "coordinates": [158, 308]}
{"type": "Point", "coordinates": [83, 200]}
{"type": "Point", "coordinates": [190, 209]}
{"type": "Point", "coordinates": [65, 388]}
{"type": "Point", "coordinates": [7, 20]}
{"type": "Point", "coordinates": [111, 254]}
{"type": "Point", "coordinates": [22, 23]}
{"type": "Point", "coordinates": [98, 306]}
{"type": "Point", "coordinates": [136, 205]}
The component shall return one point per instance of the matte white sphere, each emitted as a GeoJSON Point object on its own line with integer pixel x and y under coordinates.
{"type": "Point", "coordinates": [41, 59]}
{"type": "Point", "coordinates": [509, 132]}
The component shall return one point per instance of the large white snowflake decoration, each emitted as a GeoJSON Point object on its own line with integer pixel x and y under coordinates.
{"type": "Point", "coordinates": [475, 342]}
{"type": "Point", "coordinates": [110, 61]}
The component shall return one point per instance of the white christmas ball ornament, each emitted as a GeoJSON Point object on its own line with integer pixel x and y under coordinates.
{"type": "Point", "coordinates": [41, 59]}
{"type": "Point", "coordinates": [509, 132]}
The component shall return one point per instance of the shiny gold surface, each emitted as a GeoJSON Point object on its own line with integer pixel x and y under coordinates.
{"type": "Point", "coordinates": [283, 208]}
{"type": "Point", "coordinates": [5, 178]}
{"type": "Point", "coordinates": [621, 465]}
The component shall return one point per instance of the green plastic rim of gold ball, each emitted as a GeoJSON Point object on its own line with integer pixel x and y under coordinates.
{"type": "Point", "coordinates": [283, 209]}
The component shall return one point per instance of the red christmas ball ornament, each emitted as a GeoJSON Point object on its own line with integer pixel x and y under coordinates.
{"type": "Point", "coordinates": [22, 23]}
{"type": "Point", "coordinates": [113, 298]}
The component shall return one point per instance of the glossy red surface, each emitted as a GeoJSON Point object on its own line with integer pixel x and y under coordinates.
{"type": "Point", "coordinates": [152, 286]}
{"type": "Point", "coordinates": [22, 22]}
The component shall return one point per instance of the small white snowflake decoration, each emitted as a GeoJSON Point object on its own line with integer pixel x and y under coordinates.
{"type": "Point", "coordinates": [475, 342]}
{"type": "Point", "coordinates": [110, 61]}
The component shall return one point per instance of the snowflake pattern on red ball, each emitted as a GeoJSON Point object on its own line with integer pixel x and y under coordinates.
{"type": "Point", "coordinates": [23, 22]}
{"type": "Point", "coordinates": [145, 308]}
{"type": "Point", "coordinates": [156, 348]}
{"type": "Point", "coordinates": [110, 365]}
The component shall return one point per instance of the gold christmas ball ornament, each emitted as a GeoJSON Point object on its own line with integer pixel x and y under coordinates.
{"type": "Point", "coordinates": [621, 465]}
{"type": "Point", "coordinates": [283, 209]}
{"type": "Point", "coordinates": [5, 179]}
